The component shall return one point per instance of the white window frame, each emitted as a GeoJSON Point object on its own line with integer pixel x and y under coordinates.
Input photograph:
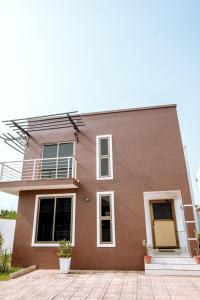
{"type": "Point", "coordinates": [58, 144]}
{"type": "Point", "coordinates": [112, 210]}
{"type": "Point", "coordinates": [34, 243]}
{"type": "Point", "coordinates": [98, 157]}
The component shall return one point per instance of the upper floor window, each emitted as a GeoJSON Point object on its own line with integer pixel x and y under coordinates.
{"type": "Point", "coordinates": [57, 160]}
{"type": "Point", "coordinates": [104, 163]}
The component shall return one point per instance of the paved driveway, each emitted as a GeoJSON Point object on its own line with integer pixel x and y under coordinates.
{"type": "Point", "coordinates": [42, 284]}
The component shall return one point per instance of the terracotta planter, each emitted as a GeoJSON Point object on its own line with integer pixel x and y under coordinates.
{"type": "Point", "coordinates": [147, 259]}
{"type": "Point", "coordinates": [197, 259]}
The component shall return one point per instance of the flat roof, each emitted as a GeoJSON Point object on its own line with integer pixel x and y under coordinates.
{"type": "Point", "coordinates": [128, 110]}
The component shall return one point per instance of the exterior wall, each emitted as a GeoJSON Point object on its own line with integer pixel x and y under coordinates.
{"type": "Point", "coordinates": [7, 228]}
{"type": "Point", "coordinates": [147, 156]}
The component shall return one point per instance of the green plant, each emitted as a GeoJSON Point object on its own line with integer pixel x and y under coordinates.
{"type": "Point", "coordinates": [1, 241]}
{"type": "Point", "coordinates": [197, 237]}
{"type": "Point", "coordinates": [4, 261]}
{"type": "Point", "coordinates": [147, 247]}
{"type": "Point", "coordinates": [8, 214]}
{"type": "Point", "coordinates": [65, 249]}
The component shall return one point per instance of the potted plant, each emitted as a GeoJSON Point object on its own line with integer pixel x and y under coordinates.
{"type": "Point", "coordinates": [197, 238]}
{"type": "Point", "coordinates": [147, 257]}
{"type": "Point", "coordinates": [64, 254]}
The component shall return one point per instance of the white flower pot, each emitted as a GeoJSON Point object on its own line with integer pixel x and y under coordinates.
{"type": "Point", "coordinates": [64, 265]}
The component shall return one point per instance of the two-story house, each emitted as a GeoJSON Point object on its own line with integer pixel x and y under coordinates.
{"type": "Point", "coordinates": [105, 181]}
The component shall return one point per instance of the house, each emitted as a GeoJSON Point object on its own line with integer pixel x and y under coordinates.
{"type": "Point", "coordinates": [106, 181]}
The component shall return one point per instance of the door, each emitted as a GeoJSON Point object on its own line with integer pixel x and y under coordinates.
{"type": "Point", "coordinates": [164, 224]}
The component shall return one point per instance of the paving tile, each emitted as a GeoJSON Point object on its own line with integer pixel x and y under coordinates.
{"type": "Point", "coordinates": [51, 285]}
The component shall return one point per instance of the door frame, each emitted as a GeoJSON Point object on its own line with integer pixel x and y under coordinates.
{"type": "Point", "coordinates": [151, 202]}
{"type": "Point", "coordinates": [180, 216]}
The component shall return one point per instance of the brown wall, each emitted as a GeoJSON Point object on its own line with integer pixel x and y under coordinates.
{"type": "Point", "coordinates": [147, 156]}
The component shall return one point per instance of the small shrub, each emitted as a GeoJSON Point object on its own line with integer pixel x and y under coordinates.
{"type": "Point", "coordinates": [4, 261]}
{"type": "Point", "coordinates": [64, 249]}
{"type": "Point", "coordinates": [1, 241]}
{"type": "Point", "coordinates": [197, 237]}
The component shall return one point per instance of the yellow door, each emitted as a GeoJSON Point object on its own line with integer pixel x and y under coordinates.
{"type": "Point", "coordinates": [164, 224]}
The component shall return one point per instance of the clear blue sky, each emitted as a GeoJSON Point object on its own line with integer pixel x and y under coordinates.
{"type": "Point", "coordinates": [89, 55]}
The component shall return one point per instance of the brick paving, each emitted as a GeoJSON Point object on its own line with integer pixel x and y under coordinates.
{"type": "Point", "coordinates": [50, 284]}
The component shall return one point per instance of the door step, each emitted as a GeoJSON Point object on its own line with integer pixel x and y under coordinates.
{"type": "Point", "coordinates": [184, 266]}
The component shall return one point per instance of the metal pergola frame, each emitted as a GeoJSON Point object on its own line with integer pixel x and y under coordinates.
{"type": "Point", "coordinates": [23, 128]}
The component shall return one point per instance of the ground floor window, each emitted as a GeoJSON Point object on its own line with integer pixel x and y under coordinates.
{"type": "Point", "coordinates": [105, 219]}
{"type": "Point", "coordinates": [54, 219]}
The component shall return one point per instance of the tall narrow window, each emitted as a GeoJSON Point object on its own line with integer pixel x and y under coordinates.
{"type": "Point", "coordinates": [105, 219]}
{"type": "Point", "coordinates": [54, 219]}
{"type": "Point", "coordinates": [104, 157]}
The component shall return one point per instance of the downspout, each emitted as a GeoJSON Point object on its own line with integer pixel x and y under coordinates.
{"type": "Point", "coordinates": [191, 189]}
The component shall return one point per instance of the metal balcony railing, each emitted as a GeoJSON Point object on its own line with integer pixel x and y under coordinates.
{"type": "Point", "coordinates": [38, 169]}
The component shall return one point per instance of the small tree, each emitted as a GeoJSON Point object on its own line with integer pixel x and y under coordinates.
{"type": "Point", "coordinates": [64, 249]}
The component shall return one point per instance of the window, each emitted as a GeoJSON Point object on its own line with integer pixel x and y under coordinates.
{"type": "Point", "coordinates": [61, 166]}
{"type": "Point", "coordinates": [54, 219]}
{"type": "Point", "coordinates": [105, 219]}
{"type": "Point", "coordinates": [104, 157]}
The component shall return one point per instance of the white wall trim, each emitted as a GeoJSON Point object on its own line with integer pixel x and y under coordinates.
{"type": "Point", "coordinates": [99, 244]}
{"type": "Point", "coordinates": [180, 217]}
{"type": "Point", "coordinates": [98, 137]}
{"type": "Point", "coordinates": [35, 244]}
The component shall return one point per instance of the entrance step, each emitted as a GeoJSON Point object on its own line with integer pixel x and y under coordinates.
{"type": "Point", "coordinates": [172, 260]}
{"type": "Point", "coordinates": [184, 266]}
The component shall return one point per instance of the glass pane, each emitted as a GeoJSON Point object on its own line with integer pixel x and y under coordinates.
{"type": "Point", "coordinates": [65, 150]}
{"type": "Point", "coordinates": [104, 146]}
{"type": "Point", "coordinates": [48, 169]}
{"type": "Point", "coordinates": [45, 220]}
{"type": "Point", "coordinates": [104, 166]}
{"type": "Point", "coordinates": [162, 211]}
{"type": "Point", "coordinates": [50, 151]}
{"type": "Point", "coordinates": [64, 168]}
{"type": "Point", "coordinates": [63, 219]}
{"type": "Point", "coordinates": [49, 166]}
{"type": "Point", "coordinates": [106, 230]}
{"type": "Point", "coordinates": [105, 206]}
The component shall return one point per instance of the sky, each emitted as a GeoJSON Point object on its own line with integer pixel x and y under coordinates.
{"type": "Point", "coordinates": [87, 55]}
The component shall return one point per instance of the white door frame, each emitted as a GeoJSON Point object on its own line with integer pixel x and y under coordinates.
{"type": "Point", "coordinates": [180, 218]}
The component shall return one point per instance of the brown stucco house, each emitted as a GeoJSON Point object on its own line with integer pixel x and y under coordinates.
{"type": "Point", "coordinates": [106, 181]}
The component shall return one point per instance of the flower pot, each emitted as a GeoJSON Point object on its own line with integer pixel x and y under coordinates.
{"type": "Point", "coordinates": [197, 259]}
{"type": "Point", "coordinates": [64, 264]}
{"type": "Point", "coordinates": [147, 259]}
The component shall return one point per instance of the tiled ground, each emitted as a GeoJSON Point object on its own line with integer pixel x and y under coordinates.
{"type": "Point", "coordinates": [50, 284]}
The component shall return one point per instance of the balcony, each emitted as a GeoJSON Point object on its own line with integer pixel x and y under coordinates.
{"type": "Point", "coordinates": [38, 174]}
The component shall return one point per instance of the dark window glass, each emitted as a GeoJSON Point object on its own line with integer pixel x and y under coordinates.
{"type": "Point", "coordinates": [45, 220]}
{"type": "Point", "coordinates": [65, 150]}
{"type": "Point", "coordinates": [105, 166]}
{"type": "Point", "coordinates": [106, 230]}
{"type": "Point", "coordinates": [162, 211]}
{"type": "Point", "coordinates": [104, 146]}
{"type": "Point", "coordinates": [50, 151]}
{"type": "Point", "coordinates": [62, 219]}
{"type": "Point", "coordinates": [65, 165]}
{"type": "Point", "coordinates": [49, 166]}
{"type": "Point", "coordinates": [105, 206]}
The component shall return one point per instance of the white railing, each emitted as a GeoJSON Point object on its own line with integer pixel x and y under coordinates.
{"type": "Point", "coordinates": [38, 169]}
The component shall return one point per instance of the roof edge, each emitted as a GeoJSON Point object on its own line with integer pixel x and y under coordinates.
{"type": "Point", "coordinates": [128, 110]}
